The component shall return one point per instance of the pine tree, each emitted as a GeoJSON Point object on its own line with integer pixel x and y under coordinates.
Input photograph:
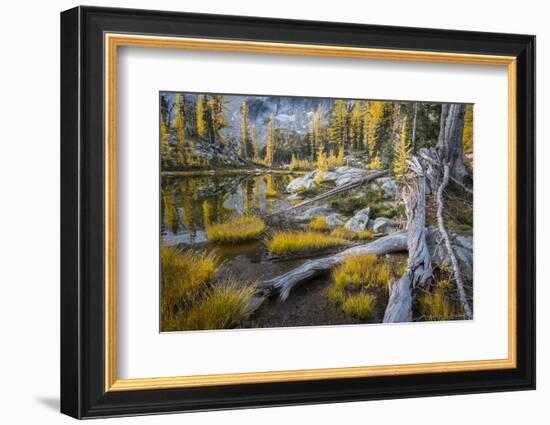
{"type": "Point", "coordinates": [357, 125]}
{"type": "Point", "coordinates": [338, 128]}
{"type": "Point", "coordinates": [255, 145]}
{"type": "Point", "coordinates": [217, 120]}
{"type": "Point", "coordinates": [321, 160]}
{"type": "Point", "coordinates": [164, 146]}
{"type": "Point", "coordinates": [270, 141]}
{"type": "Point", "coordinates": [245, 132]}
{"type": "Point", "coordinates": [179, 124]}
{"type": "Point", "coordinates": [293, 162]}
{"type": "Point", "coordinates": [202, 115]}
{"type": "Point", "coordinates": [374, 115]}
{"type": "Point", "coordinates": [340, 157]}
{"type": "Point", "coordinates": [402, 152]}
{"type": "Point", "coordinates": [310, 142]}
{"type": "Point", "coordinates": [468, 134]}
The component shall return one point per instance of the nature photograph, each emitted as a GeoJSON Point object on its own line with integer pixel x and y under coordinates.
{"type": "Point", "coordinates": [284, 211]}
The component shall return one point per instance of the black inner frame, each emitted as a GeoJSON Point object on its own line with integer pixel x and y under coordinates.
{"type": "Point", "coordinates": [82, 212]}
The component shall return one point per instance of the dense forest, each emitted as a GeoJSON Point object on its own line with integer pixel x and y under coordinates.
{"type": "Point", "coordinates": [379, 134]}
{"type": "Point", "coordinates": [289, 211]}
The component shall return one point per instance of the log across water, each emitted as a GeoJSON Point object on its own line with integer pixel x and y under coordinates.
{"type": "Point", "coordinates": [396, 242]}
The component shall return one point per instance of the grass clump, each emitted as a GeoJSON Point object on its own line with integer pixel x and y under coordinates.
{"type": "Point", "coordinates": [238, 230]}
{"type": "Point", "coordinates": [342, 232]}
{"type": "Point", "coordinates": [191, 299]}
{"type": "Point", "coordinates": [437, 306]}
{"type": "Point", "coordinates": [283, 243]}
{"type": "Point", "coordinates": [184, 276]}
{"type": "Point", "coordinates": [271, 193]}
{"type": "Point", "coordinates": [360, 306]}
{"type": "Point", "coordinates": [223, 307]}
{"type": "Point", "coordinates": [361, 271]}
{"type": "Point", "coordinates": [319, 223]}
{"type": "Point", "coordinates": [352, 280]}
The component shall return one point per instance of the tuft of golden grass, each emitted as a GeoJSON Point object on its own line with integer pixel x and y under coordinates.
{"type": "Point", "coordinates": [437, 306]}
{"type": "Point", "coordinates": [184, 275]}
{"type": "Point", "coordinates": [342, 232]}
{"type": "Point", "coordinates": [223, 307]}
{"type": "Point", "coordinates": [283, 243]}
{"type": "Point", "coordinates": [361, 270]}
{"type": "Point", "coordinates": [241, 229]}
{"type": "Point", "coordinates": [360, 306]}
{"type": "Point", "coordinates": [318, 223]}
{"type": "Point", "coordinates": [271, 193]}
{"type": "Point", "coordinates": [336, 295]}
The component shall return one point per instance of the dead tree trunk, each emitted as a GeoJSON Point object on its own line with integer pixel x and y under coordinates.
{"type": "Point", "coordinates": [445, 163]}
{"type": "Point", "coordinates": [454, 262]}
{"type": "Point", "coordinates": [449, 142]}
{"type": "Point", "coordinates": [419, 267]}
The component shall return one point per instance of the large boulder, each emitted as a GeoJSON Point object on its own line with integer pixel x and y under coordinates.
{"type": "Point", "coordinates": [385, 225]}
{"type": "Point", "coordinates": [388, 185]}
{"type": "Point", "coordinates": [308, 214]}
{"type": "Point", "coordinates": [301, 183]}
{"type": "Point", "coordinates": [342, 175]}
{"type": "Point", "coordinates": [335, 219]}
{"type": "Point", "coordinates": [359, 221]}
{"type": "Point", "coordinates": [462, 247]}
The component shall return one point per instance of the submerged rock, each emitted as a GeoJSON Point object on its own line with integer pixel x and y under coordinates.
{"type": "Point", "coordinates": [359, 221]}
{"type": "Point", "coordinates": [385, 225]}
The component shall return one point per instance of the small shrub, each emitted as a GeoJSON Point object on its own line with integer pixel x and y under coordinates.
{"type": "Point", "coordinates": [360, 306]}
{"type": "Point", "coordinates": [361, 271]}
{"type": "Point", "coordinates": [238, 230]}
{"type": "Point", "coordinates": [283, 243]}
{"type": "Point", "coordinates": [318, 223]}
{"type": "Point", "coordinates": [223, 307]}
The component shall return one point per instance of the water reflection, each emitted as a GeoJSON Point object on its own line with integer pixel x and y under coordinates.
{"type": "Point", "coordinates": [190, 203]}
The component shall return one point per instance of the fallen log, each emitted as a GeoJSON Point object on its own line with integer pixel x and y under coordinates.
{"type": "Point", "coordinates": [340, 189]}
{"type": "Point", "coordinates": [283, 284]}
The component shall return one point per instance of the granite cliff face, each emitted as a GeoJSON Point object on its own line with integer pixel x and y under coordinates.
{"type": "Point", "coordinates": [293, 114]}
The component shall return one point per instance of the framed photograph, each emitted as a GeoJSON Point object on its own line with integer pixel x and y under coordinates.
{"type": "Point", "coordinates": [261, 212]}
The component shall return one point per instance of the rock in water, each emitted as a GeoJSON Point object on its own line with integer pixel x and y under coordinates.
{"type": "Point", "coordinates": [385, 225]}
{"type": "Point", "coordinates": [359, 221]}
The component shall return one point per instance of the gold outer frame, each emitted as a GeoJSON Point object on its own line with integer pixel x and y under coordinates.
{"type": "Point", "coordinates": [113, 41]}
